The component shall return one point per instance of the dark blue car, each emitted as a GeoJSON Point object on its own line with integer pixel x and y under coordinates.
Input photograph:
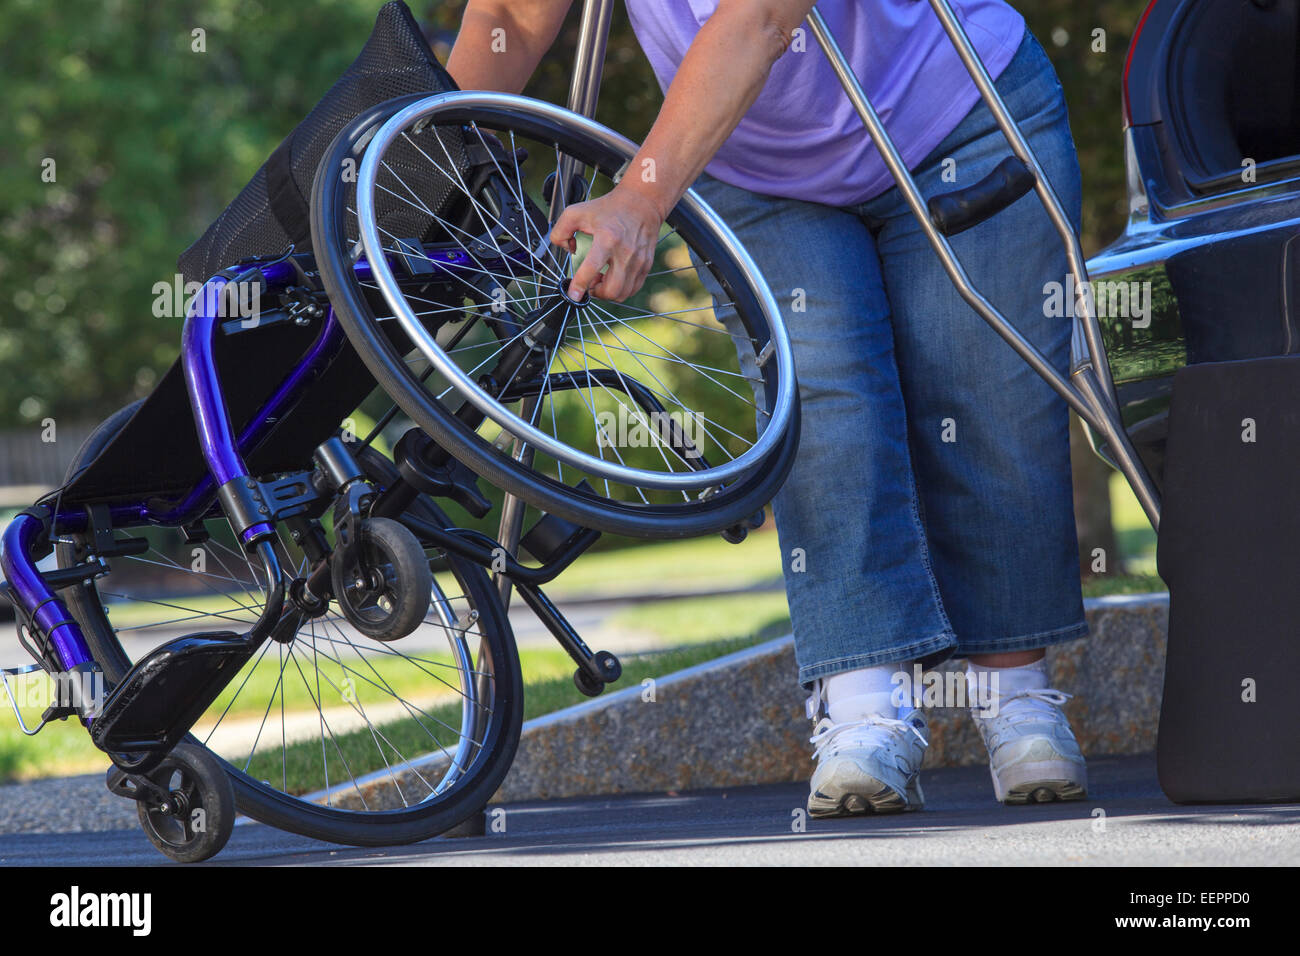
{"type": "Point", "coordinates": [1208, 268]}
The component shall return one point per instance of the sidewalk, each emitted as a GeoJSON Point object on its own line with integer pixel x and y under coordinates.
{"type": "Point", "coordinates": [1124, 822]}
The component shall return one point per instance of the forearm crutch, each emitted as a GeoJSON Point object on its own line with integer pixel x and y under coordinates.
{"type": "Point", "coordinates": [1088, 388]}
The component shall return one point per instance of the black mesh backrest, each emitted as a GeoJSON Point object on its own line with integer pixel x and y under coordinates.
{"type": "Point", "coordinates": [271, 212]}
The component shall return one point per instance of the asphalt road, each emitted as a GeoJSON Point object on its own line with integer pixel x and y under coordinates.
{"type": "Point", "coordinates": [962, 826]}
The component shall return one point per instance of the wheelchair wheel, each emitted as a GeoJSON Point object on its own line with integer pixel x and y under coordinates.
{"type": "Point", "coordinates": [198, 815]}
{"type": "Point", "coordinates": [654, 417]}
{"type": "Point", "coordinates": [330, 734]}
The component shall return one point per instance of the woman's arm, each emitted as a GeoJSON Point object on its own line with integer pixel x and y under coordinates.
{"type": "Point", "coordinates": [720, 76]}
{"type": "Point", "coordinates": [501, 42]}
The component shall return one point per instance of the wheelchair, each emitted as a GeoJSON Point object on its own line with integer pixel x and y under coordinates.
{"type": "Point", "coordinates": [268, 609]}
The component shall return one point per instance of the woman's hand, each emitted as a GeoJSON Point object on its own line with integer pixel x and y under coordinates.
{"type": "Point", "coordinates": [624, 229]}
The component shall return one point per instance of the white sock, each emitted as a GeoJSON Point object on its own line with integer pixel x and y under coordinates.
{"type": "Point", "coordinates": [853, 695]}
{"type": "Point", "coordinates": [1009, 680]}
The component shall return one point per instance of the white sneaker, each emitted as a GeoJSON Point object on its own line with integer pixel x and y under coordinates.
{"type": "Point", "coordinates": [868, 765]}
{"type": "Point", "coordinates": [1033, 756]}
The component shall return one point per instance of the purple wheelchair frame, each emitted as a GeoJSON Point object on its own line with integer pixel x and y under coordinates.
{"type": "Point", "coordinates": [223, 451]}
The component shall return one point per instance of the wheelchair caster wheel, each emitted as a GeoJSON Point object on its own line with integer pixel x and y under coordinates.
{"type": "Point", "coordinates": [589, 685]}
{"type": "Point", "coordinates": [609, 667]}
{"type": "Point", "coordinates": [741, 529]}
{"type": "Point", "coordinates": [385, 592]}
{"type": "Point", "coordinates": [610, 671]}
{"type": "Point", "coordinates": [195, 819]}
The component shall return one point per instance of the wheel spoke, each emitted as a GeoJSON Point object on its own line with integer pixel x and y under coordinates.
{"type": "Point", "coordinates": [611, 352]}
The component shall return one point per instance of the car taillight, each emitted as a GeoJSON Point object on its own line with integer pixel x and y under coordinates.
{"type": "Point", "coordinates": [1128, 61]}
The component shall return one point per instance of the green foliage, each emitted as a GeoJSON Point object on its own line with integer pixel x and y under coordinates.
{"type": "Point", "coordinates": [151, 139]}
{"type": "Point", "coordinates": [1092, 81]}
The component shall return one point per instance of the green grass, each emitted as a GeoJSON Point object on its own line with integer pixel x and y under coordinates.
{"type": "Point", "coordinates": [694, 620]}
{"type": "Point", "coordinates": [704, 628]}
{"type": "Point", "coordinates": [225, 607]}
{"type": "Point", "coordinates": [300, 766]}
{"type": "Point", "coordinates": [64, 748]}
{"type": "Point", "coordinates": [61, 749]}
{"type": "Point", "coordinates": [1133, 535]}
{"type": "Point", "coordinates": [1109, 584]}
{"type": "Point", "coordinates": [695, 564]}
{"type": "Point", "coordinates": [247, 694]}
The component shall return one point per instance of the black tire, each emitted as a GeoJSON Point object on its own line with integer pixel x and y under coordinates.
{"type": "Point", "coordinates": [588, 685]}
{"type": "Point", "coordinates": [202, 813]}
{"type": "Point", "coordinates": [608, 665]}
{"type": "Point", "coordinates": [390, 611]}
{"type": "Point", "coordinates": [498, 658]}
{"type": "Point", "coordinates": [332, 245]}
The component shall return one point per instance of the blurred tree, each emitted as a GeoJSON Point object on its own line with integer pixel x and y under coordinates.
{"type": "Point", "coordinates": [1087, 44]}
{"type": "Point", "coordinates": [154, 116]}
{"type": "Point", "coordinates": [152, 128]}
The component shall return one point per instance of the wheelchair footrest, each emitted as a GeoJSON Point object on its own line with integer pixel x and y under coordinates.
{"type": "Point", "coordinates": [162, 696]}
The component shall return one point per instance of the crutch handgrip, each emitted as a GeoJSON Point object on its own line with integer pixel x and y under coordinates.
{"type": "Point", "coordinates": [960, 209]}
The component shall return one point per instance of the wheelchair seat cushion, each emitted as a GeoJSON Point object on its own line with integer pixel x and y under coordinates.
{"type": "Point", "coordinates": [271, 212]}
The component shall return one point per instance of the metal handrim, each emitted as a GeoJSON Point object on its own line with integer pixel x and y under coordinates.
{"type": "Point", "coordinates": [428, 110]}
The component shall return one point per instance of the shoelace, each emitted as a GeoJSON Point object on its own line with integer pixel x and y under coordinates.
{"type": "Point", "coordinates": [826, 732]}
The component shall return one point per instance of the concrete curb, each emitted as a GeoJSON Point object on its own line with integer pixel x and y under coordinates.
{"type": "Point", "coordinates": [739, 719]}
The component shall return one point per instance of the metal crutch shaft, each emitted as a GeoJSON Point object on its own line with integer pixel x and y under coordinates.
{"type": "Point", "coordinates": [1093, 401]}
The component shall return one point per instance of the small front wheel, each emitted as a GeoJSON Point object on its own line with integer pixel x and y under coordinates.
{"type": "Point", "coordinates": [384, 592]}
{"type": "Point", "coordinates": [609, 667]}
{"type": "Point", "coordinates": [588, 685]}
{"type": "Point", "coordinates": [197, 816]}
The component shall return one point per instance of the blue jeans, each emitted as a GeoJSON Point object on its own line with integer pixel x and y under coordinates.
{"type": "Point", "coordinates": [929, 512]}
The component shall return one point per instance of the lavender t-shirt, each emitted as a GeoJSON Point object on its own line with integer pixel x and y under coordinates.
{"type": "Point", "coordinates": [802, 138]}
